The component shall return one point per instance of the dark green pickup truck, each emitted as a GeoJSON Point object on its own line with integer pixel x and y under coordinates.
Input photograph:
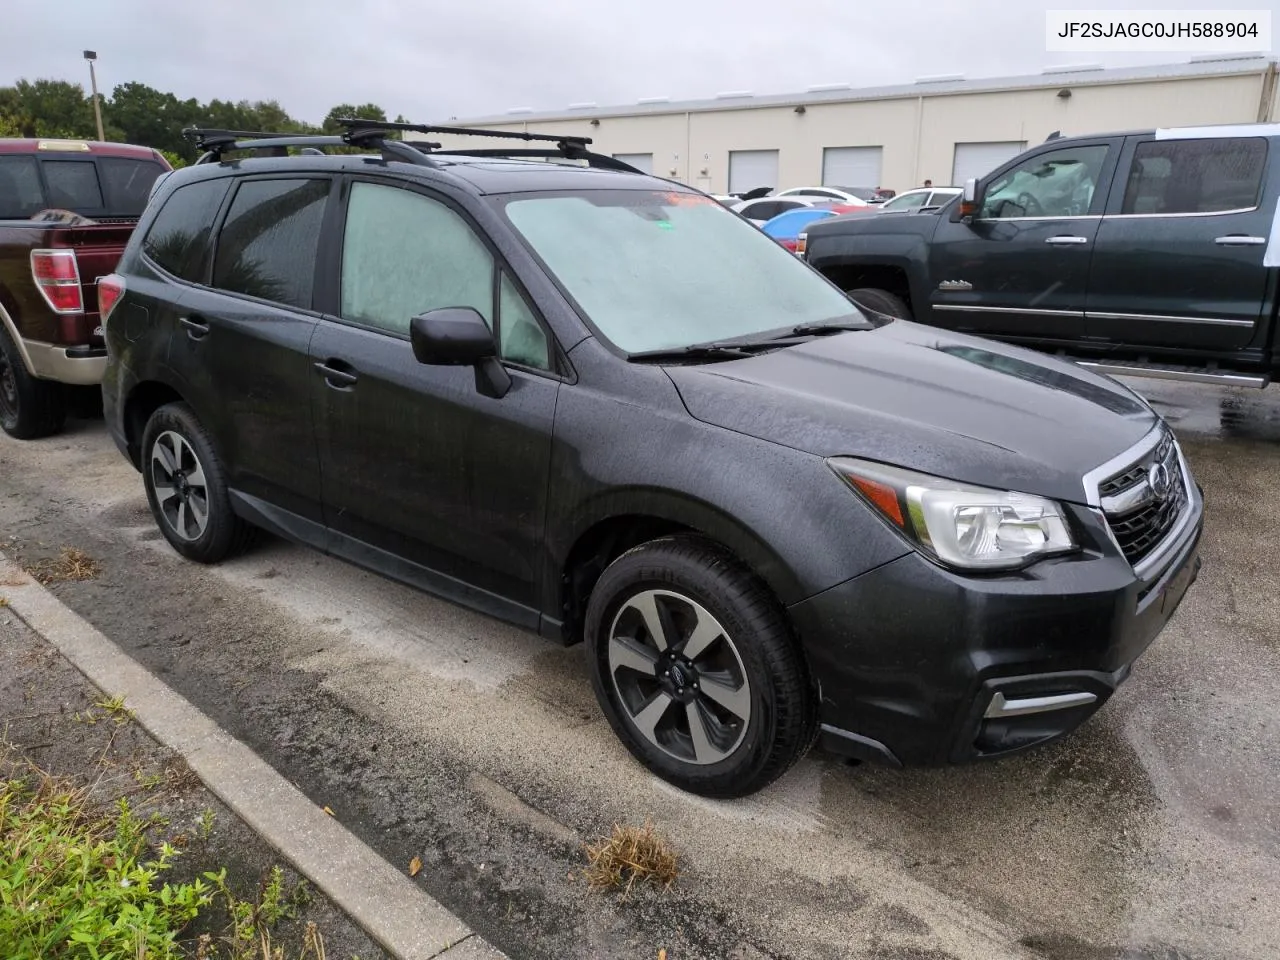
{"type": "Point", "coordinates": [1143, 254]}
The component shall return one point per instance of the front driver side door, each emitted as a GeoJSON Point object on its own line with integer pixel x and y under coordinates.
{"type": "Point", "coordinates": [423, 476]}
{"type": "Point", "coordinates": [1020, 269]}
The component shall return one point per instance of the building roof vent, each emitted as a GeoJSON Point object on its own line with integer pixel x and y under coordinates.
{"type": "Point", "coordinates": [941, 78]}
{"type": "Point", "coordinates": [828, 87]}
{"type": "Point", "coordinates": [734, 95]}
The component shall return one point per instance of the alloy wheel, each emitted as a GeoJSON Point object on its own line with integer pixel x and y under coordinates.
{"type": "Point", "coordinates": [177, 477]}
{"type": "Point", "coordinates": [679, 677]}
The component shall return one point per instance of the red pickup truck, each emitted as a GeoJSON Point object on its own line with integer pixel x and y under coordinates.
{"type": "Point", "coordinates": [67, 208]}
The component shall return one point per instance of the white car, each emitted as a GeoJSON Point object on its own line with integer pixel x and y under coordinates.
{"type": "Point", "coordinates": [762, 209]}
{"type": "Point", "coordinates": [852, 196]}
{"type": "Point", "coordinates": [920, 198]}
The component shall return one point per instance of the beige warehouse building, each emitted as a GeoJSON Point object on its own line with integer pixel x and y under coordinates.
{"type": "Point", "coordinates": [945, 129]}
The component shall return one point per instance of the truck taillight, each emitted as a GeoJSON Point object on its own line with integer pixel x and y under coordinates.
{"type": "Point", "coordinates": [110, 290]}
{"type": "Point", "coordinates": [802, 243]}
{"type": "Point", "coordinates": [57, 276]}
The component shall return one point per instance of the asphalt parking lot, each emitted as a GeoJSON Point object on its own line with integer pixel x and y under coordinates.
{"type": "Point", "coordinates": [1154, 832]}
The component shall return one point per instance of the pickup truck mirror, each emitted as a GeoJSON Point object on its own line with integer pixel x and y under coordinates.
{"type": "Point", "coordinates": [460, 337]}
{"type": "Point", "coordinates": [969, 200]}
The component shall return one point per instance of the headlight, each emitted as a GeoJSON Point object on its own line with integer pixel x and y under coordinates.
{"type": "Point", "coordinates": [972, 528]}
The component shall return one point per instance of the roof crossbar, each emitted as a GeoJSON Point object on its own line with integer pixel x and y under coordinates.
{"type": "Point", "coordinates": [360, 127]}
{"type": "Point", "coordinates": [217, 142]}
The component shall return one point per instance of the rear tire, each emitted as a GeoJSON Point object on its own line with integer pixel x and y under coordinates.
{"type": "Point", "coordinates": [881, 301]}
{"type": "Point", "coordinates": [30, 408]}
{"type": "Point", "coordinates": [187, 488]}
{"type": "Point", "coordinates": [720, 705]}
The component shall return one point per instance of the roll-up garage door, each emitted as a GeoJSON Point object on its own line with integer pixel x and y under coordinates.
{"type": "Point", "coordinates": [641, 161]}
{"type": "Point", "coordinates": [979, 159]}
{"type": "Point", "coordinates": [749, 169]}
{"type": "Point", "coordinates": [851, 166]}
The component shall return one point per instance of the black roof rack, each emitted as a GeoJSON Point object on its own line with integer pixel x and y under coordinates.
{"type": "Point", "coordinates": [358, 127]}
{"type": "Point", "coordinates": [568, 147]}
{"type": "Point", "coordinates": [373, 134]}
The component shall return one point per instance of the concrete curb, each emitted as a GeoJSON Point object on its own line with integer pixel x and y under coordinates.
{"type": "Point", "coordinates": [407, 922]}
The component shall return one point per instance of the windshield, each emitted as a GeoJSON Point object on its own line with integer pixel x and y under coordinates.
{"type": "Point", "coordinates": [654, 270]}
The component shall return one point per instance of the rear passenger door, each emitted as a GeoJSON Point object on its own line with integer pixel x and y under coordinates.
{"type": "Point", "coordinates": [240, 342]}
{"type": "Point", "coordinates": [1178, 258]}
{"type": "Point", "coordinates": [418, 465]}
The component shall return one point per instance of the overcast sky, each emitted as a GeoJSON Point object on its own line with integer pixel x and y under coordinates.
{"type": "Point", "coordinates": [436, 60]}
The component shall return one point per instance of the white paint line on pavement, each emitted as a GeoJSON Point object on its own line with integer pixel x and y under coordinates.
{"type": "Point", "coordinates": [384, 902]}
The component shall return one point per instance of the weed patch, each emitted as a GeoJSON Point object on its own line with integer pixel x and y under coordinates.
{"type": "Point", "coordinates": [631, 855]}
{"type": "Point", "coordinates": [71, 563]}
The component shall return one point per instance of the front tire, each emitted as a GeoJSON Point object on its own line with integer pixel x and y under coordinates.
{"type": "Point", "coordinates": [881, 301]}
{"type": "Point", "coordinates": [696, 670]}
{"type": "Point", "coordinates": [187, 488]}
{"type": "Point", "coordinates": [30, 408]}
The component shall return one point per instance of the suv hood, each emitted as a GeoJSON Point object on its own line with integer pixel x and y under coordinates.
{"type": "Point", "coordinates": [945, 404]}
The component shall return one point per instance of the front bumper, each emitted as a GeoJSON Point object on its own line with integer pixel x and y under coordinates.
{"type": "Point", "coordinates": [914, 661]}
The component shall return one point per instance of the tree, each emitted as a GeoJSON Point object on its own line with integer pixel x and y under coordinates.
{"type": "Point", "coordinates": [367, 111]}
{"type": "Point", "coordinates": [48, 108]}
{"type": "Point", "coordinates": [146, 116]}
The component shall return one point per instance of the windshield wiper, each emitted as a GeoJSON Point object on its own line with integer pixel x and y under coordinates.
{"type": "Point", "coordinates": [839, 326]}
{"type": "Point", "coordinates": [700, 351]}
{"type": "Point", "coordinates": [746, 346]}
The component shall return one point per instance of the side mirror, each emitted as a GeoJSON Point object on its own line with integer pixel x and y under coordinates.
{"type": "Point", "coordinates": [969, 200]}
{"type": "Point", "coordinates": [453, 336]}
{"type": "Point", "coordinates": [459, 337]}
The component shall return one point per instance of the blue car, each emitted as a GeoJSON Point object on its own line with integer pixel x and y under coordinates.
{"type": "Point", "coordinates": [787, 226]}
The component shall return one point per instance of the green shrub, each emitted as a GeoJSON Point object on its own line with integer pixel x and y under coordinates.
{"type": "Point", "coordinates": [79, 884]}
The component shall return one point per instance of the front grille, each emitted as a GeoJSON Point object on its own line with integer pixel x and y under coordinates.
{"type": "Point", "coordinates": [1139, 530]}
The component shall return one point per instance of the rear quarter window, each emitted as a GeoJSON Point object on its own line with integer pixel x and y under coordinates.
{"type": "Point", "coordinates": [178, 237]}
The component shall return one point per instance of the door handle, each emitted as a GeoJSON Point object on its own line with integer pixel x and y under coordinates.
{"type": "Point", "coordinates": [1240, 240]}
{"type": "Point", "coordinates": [339, 379]}
{"type": "Point", "coordinates": [196, 328]}
{"type": "Point", "coordinates": [1060, 240]}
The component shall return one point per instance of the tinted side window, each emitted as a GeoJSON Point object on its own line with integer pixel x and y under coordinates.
{"type": "Point", "coordinates": [1195, 176]}
{"type": "Point", "coordinates": [179, 235]}
{"type": "Point", "coordinates": [1059, 183]}
{"type": "Point", "coordinates": [404, 254]}
{"type": "Point", "coordinates": [20, 191]}
{"type": "Point", "coordinates": [268, 243]}
{"type": "Point", "coordinates": [127, 184]}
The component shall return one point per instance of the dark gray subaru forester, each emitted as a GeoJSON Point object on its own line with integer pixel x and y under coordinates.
{"type": "Point", "coordinates": [601, 406]}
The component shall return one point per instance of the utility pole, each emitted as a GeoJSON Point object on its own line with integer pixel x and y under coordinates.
{"type": "Point", "coordinates": [91, 56]}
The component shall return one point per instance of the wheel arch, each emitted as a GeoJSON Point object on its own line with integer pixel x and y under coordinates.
{"type": "Point", "coordinates": [143, 400]}
{"type": "Point", "coordinates": [11, 328]}
{"type": "Point", "coordinates": [607, 529]}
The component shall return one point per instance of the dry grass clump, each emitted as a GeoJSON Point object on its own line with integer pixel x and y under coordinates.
{"type": "Point", "coordinates": [630, 855]}
{"type": "Point", "coordinates": [71, 564]}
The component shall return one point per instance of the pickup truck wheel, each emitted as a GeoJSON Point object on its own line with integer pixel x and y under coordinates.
{"type": "Point", "coordinates": [29, 407]}
{"type": "Point", "coordinates": [187, 488]}
{"type": "Point", "coordinates": [881, 301]}
{"type": "Point", "coordinates": [696, 670]}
